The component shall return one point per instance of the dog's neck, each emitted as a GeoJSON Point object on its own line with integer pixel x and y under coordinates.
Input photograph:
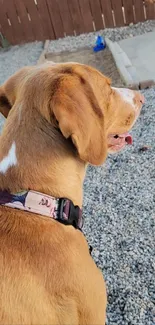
{"type": "Point", "coordinates": [34, 155]}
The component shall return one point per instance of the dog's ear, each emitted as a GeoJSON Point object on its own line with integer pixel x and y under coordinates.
{"type": "Point", "coordinates": [5, 105]}
{"type": "Point", "coordinates": [80, 117]}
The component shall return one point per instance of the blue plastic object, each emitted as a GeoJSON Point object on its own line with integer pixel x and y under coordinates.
{"type": "Point", "coordinates": [100, 44]}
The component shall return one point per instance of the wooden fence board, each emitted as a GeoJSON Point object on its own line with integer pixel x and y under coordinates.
{"type": "Point", "coordinates": [15, 25]}
{"type": "Point", "coordinates": [97, 14]}
{"type": "Point", "coordinates": [118, 13]}
{"type": "Point", "coordinates": [86, 15]}
{"type": "Point", "coordinates": [128, 8]}
{"type": "Point", "coordinates": [139, 10]}
{"type": "Point", "coordinates": [55, 18]}
{"type": "Point", "coordinates": [66, 17]}
{"type": "Point", "coordinates": [107, 12]}
{"type": "Point", "coordinates": [35, 19]}
{"type": "Point", "coordinates": [15, 22]}
{"type": "Point", "coordinates": [76, 16]}
{"type": "Point", "coordinates": [6, 29]}
{"type": "Point", "coordinates": [25, 23]}
{"type": "Point", "coordinates": [150, 10]}
{"type": "Point", "coordinates": [47, 27]}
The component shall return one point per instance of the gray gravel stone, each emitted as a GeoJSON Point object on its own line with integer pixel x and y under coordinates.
{"type": "Point", "coordinates": [71, 43]}
{"type": "Point", "coordinates": [18, 56]}
{"type": "Point", "coordinates": [2, 121]}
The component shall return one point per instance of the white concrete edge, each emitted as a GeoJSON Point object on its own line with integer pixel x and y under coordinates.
{"type": "Point", "coordinates": [45, 50]}
{"type": "Point", "coordinates": [123, 64]}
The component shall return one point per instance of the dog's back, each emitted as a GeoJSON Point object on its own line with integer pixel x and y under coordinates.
{"type": "Point", "coordinates": [47, 272]}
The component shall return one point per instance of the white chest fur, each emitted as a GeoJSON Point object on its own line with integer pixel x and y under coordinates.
{"type": "Point", "coordinates": [9, 160]}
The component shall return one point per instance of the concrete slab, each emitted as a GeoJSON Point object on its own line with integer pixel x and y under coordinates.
{"type": "Point", "coordinates": [141, 53]}
{"type": "Point", "coordinates": [42, 58]}
{"type": "Point", "coordinates": [135, 60]}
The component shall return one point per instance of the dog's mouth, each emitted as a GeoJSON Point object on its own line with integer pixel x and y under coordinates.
{"type": "Point", "coordinates": [116, 142]}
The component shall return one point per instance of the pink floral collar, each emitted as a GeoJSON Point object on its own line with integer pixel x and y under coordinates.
{"type": "Point", "coordinates": [61, 209]}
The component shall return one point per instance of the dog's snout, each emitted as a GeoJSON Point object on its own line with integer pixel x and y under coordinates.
{"type": "Point", "coordinates": [132, 97]}
{"type": "Point", "coordinates": [142, 99]}
{"type": "Point", "coordinates": [139, 99]}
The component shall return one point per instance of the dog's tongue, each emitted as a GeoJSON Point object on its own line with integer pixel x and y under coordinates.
{"type": "Point", "coordinates": [128, 138]}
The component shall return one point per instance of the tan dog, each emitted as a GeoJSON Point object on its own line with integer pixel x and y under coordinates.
{"type": "Point", "coordinates": [61, 117]}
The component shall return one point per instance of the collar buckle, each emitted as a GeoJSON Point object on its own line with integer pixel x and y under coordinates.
{"type": "Point", "coordinates": [69, 213]}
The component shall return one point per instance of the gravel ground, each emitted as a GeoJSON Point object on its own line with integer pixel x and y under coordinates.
{"type": "Point", "coordinates": [18, 56]}
{"type": "Point", "coordinates": [119, 203]}
{"type": "Point", "coordinates": [71, 43]}
{"type": "Point", "coordinates": [2, 121]}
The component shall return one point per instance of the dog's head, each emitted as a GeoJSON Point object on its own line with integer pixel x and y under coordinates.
{"type": "Point", "coordinates": [79, 101]}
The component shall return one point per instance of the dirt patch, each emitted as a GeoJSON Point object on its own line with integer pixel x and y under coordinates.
{"type": "Point", "coordinates": [103, 61]}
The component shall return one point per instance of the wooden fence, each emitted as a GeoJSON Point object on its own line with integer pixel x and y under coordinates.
{"type": "Point", "coordinates": [29, 20]}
